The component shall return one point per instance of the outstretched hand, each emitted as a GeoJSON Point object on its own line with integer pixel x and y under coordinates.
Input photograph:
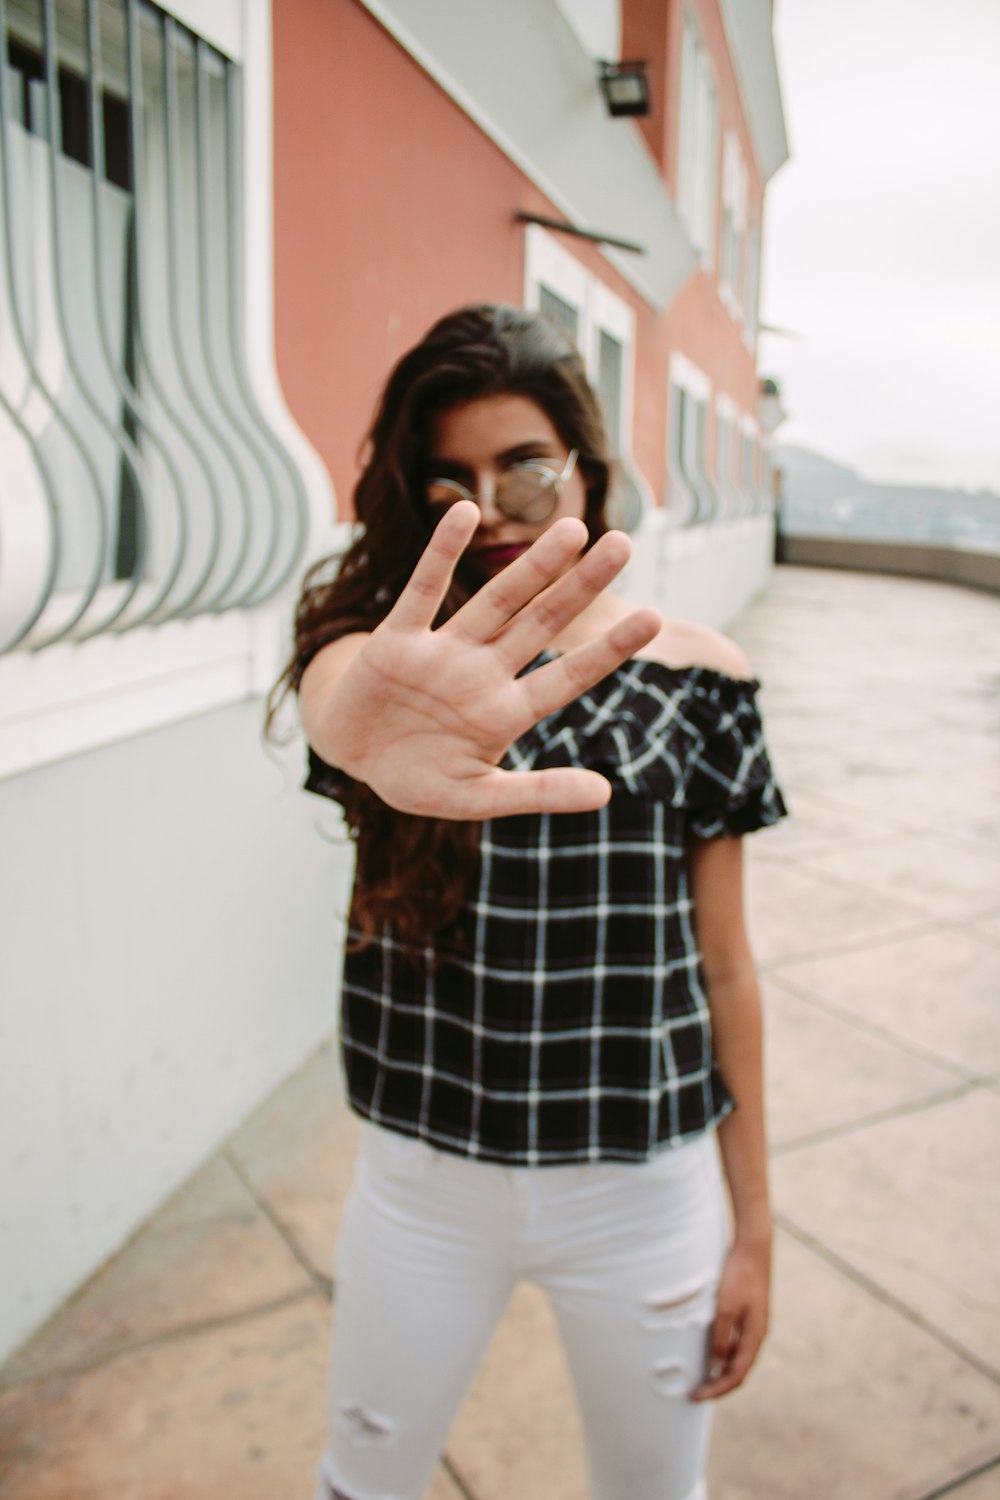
{"type": "Point", "coordinates": [423, 716]}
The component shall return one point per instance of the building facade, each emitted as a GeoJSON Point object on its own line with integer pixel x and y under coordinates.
{"type": "Point", "coordinates": [221, 224]}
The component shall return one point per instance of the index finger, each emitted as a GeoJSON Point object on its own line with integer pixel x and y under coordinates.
{"type": "Point", "coordinates": [422, 597]}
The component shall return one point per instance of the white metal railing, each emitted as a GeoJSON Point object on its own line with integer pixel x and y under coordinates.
{"type": "Point", "coordinates": [141, 481]}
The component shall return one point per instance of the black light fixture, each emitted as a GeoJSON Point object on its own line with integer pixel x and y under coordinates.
{"type": "Point", "coordinates": [625, 87]}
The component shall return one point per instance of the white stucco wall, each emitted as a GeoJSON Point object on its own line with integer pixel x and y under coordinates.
{"type": "Point", "coordinates": [704, 573]}
{"type": "Point", "coordinates": [170, 952]}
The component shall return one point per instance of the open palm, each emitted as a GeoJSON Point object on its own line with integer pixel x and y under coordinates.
{"type": "Point", "coordinates": [423, 716]}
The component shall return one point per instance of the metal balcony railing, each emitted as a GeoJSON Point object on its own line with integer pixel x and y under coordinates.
{"type": "Point", "coordinates": [141, 480]}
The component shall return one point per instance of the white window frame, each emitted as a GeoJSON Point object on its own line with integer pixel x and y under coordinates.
{"type": "Point", "coordinates": [547, 263]}
{"type": "Point", "coordinates": [750, 428]}
{"type": "Point", "coordinates": [687, 377]}
{"type": "Point", "coordinates": [73, 697]}
{"type": "Point", "coordinates": [727, 423]}
{"type": "Point", "coordinates": [698, 144]}
{"type": "Point", "coordinates": [733, 233]}
{"type": "Point", "coordinates": [752, 295]}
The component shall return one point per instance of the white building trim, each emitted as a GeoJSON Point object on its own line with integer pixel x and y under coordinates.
{"type": "Point", "coordinates": [598, 24]}
{"type": "Point", "coordinates": [685, 373]}
{"type": "Point", "coordinates": [749, 32]}
{"type": "Point", "coordinates": [698, 143]}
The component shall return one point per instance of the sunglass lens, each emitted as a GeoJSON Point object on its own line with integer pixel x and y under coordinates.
{"type": "Point", "coordinates": [527, 495]}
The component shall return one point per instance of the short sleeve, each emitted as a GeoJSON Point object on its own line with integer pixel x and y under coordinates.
{"type": "Point", "coordinates": [731, 788]}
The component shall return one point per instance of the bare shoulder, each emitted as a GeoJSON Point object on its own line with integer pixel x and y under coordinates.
{"type": "Point", "coordinates": [682, 643]}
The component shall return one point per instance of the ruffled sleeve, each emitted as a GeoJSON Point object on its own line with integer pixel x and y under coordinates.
{"type": "Point", "coordinates": [691, 737]}
{"type": "Point", "coordinates": [730, 786]}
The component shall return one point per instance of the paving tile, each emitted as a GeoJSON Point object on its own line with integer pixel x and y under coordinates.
{"type": "Point", "coordinates": [815, 826]}
{"type": "Point", "coordinates": [792, 913]}
{"type": "Point", "coordinates": [209, 1253]}
{"type": "Point", "coordinates": [443, 1487]}
{"type": "Point", "coordinates": [518, 1433]}
{"type": "Point", "coordinates": [985, 1486]}
{"type": "Point", "coordinates": [947, 878]}
{"type": "Point", "coordinates": [911, 1203]}
{"type": "Point", "coordinates": [298, 1152]}
{"type": "Point", "coordinates": [236, 1411]}
{"type": "Point", "coordinates": [803, 769]}
{"type": "Point", "coordinates": [936, 990]}
{"type": "Point", "coordinates": [954, 797]}
{"type": "Point", "coordinates": [988, 927]}
{"type": "Point", "coordinates": [824, 1071]}
{"type": "Point", "coordinates": [850, 1400]}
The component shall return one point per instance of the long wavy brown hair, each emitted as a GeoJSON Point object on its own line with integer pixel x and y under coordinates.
{"type": "Point", "coordinates": [413, 874]}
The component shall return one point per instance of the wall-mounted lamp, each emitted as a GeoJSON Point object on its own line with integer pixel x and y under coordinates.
{"type": "Point", "coordinates": [625, 87]}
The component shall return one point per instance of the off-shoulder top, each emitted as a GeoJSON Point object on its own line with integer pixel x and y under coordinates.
{"type": "Point", "coordinates": [568, 1020]}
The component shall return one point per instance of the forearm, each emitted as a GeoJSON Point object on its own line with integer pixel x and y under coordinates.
{"type": "Point", "coordinates": [737, 1034]}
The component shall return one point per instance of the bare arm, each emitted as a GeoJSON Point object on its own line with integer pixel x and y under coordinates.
{"type": "Point", "coordinates": [734, 1004]}
{"type": "Point", "coordinates": [423, 716]}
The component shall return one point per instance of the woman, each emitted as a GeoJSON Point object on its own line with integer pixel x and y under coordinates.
{"type": "Point", "coordinates": [549, 1003]}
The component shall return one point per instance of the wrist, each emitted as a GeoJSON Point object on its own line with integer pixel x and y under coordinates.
{"type": "Point", "coordinates": [753, 1227]}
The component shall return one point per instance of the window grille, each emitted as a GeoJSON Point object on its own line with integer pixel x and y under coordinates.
{"type": "Point", "coordinates": [560, 311]}
{"type": "Point", "coordinates": [609, 382]}
{"type": "Point", "coordinates": [724, 465]}
{"type": "Point", "coordinates": [683, 497]}
{"type": "Point", "coordinates": [748, 477]}
{"type": "Point", "coordinates": [603, 328]}
{"type": "Point", "coordinates": [143, 482]}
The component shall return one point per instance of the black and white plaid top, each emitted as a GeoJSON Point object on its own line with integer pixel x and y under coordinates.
{"type": "Point", "coordinates": [570, 1023]}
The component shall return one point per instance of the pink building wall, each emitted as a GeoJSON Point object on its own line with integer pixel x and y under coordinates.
{"type": "Point", "coordinates": [391, 207]}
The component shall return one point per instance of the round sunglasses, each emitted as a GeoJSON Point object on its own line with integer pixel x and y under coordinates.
{"type": "Point", "coordinates": [527, 491]}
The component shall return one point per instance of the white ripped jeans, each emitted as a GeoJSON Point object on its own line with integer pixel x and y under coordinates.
{"type": "Point", "coordinates": [431, 1249]}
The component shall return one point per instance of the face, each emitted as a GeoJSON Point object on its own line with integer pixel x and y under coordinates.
{"type": "Point", "coordinates": [478, 443]}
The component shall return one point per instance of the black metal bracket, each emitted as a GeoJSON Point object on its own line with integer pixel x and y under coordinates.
{"type": "Point", "coordinates": [561, 226]}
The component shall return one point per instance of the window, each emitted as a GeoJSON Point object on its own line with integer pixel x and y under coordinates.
{"type": "Point", "coordinates": [752, 298]}
{"type": "Point", "coordinates": [693, 498]}
{"type": "Point", "coordinates": [750, 481]}
{"type": "Point", "coordinates": [146, 483]}
{"type": "Point", "coordinates": [610, 383]}
{"type": "Point", "coordinates": [697, 144]}
{"type": "Point", "coordinates": [560, 311]}
{"type": "Point", "coordinates": [734, 226]}
{"type": "Point", "coordinates": [725, 463]}
{"type": "Point", "coordinates": [682, 501]}
{"type": "Point", "coordinates": [602, 325]}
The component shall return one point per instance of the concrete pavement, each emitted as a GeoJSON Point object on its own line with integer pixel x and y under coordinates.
{"type": "Point", "coordinates": [192, 1366]}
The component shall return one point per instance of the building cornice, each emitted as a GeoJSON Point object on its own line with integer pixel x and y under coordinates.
{"type": "Point", "coordinates": [750, 34]}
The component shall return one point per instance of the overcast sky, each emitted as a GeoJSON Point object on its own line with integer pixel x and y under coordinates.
{"type": "Point", "coordinates": [882, 237]}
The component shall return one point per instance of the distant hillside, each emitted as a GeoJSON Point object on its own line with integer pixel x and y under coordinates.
{"type": "Point", "coordinates": [824, 498]}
